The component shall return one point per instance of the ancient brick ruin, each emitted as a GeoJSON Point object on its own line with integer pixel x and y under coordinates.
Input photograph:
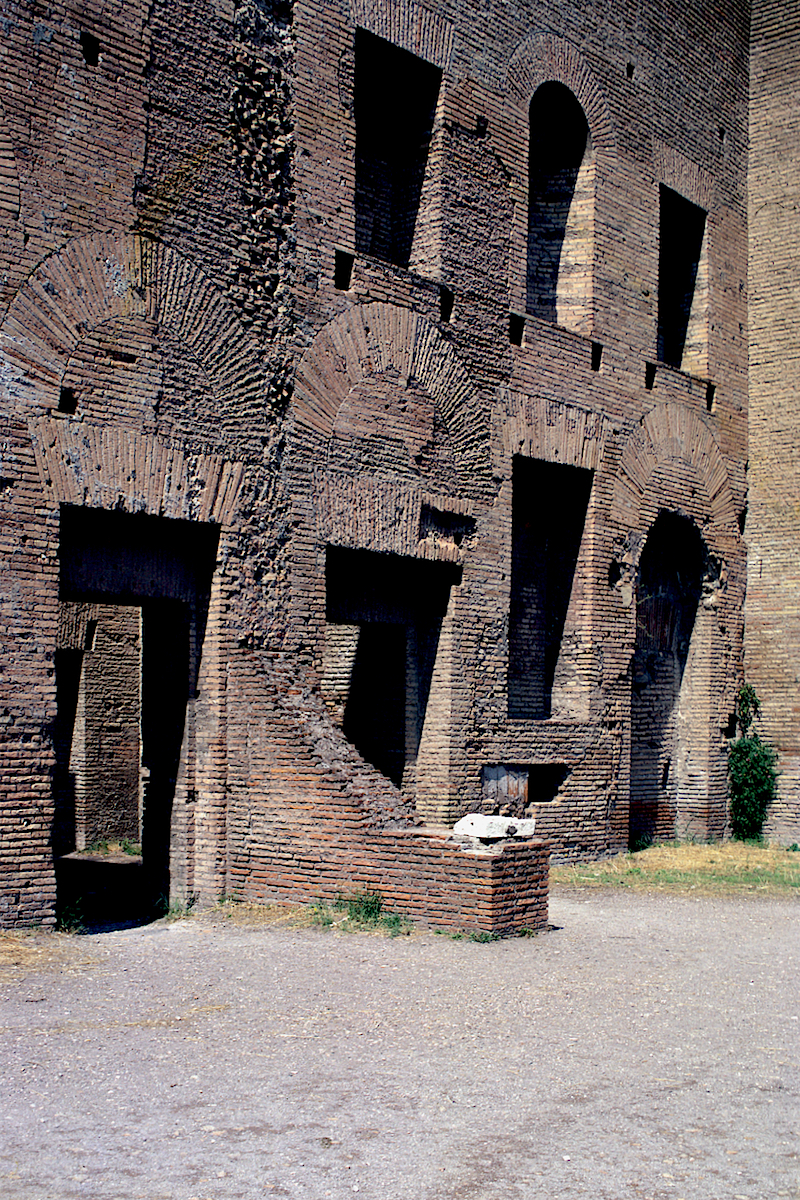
{"type": "Point", "coordinates": [374, 439]}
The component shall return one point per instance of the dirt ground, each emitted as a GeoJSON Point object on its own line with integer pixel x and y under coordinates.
{"type": "Point", "coordinates": [647, 1047]}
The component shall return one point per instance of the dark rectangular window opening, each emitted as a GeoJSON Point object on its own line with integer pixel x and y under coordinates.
{"type": "Point", "coordinates": [446, 301]}
{"type": "Point", "coordinates": [682, 226]}
{"type": "Point", "coordinates": [395, 103]}
{"type": "Point", "coordinates": [342, 270]}
{"type": "Point", "coordinates": [516, 328]}
{"type": "Point", "coordinates": [649, 375]}
{"type": "Point", "coordinates": [549, 505]}
{"type": "Point", "coordinates": [517, 790]}
{"type": "Point", "coordinates": [597, 355]}
{"type": "Point", "coordinates": [398, 605]}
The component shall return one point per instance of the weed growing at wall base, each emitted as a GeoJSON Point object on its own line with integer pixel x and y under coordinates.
{"type": "Point", "coordinates": [752, 771]}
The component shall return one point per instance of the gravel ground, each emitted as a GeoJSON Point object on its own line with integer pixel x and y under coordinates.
{"type": "Point", "coordinates": [647, 1047]}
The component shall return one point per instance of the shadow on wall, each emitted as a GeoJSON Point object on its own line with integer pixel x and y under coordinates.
{"type": "Point", "coordinates": [384, 615]}
{"type": "Point", "coordinates": [560, 200]}
{"type": "Point", "coordinates": [395, 102]}
{"type": "Point", "coordinates": [668, 593]}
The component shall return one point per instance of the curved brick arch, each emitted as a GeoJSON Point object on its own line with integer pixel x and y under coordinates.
{"type": "Point", "coordinates": [383, 339]}
{"type": "Point", "coordinates": [93, 280]}
{"type": "Point", "coordinates": [9, 176]}
{"type": "Point", "coordinates": [546, 429]}
{"type": "Point", "coordinates": [408, 25]}
{"type": "Point", "coordinates": [540, 60]}
{"type": "Point", "coordinates": [673, 445]}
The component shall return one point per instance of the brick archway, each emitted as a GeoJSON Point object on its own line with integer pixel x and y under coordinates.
{"type": "Point", "coordinates": [382, 341]}
{"type": "Point", "coordinates": [672, 444]}
{"type": "Point", "coordinates": [97, 279]}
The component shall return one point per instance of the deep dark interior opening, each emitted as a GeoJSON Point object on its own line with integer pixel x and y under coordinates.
{"type": "Point", "coordinates": [682, 226]}
{"type": "Point", "coordinates": [559, 133]}
{"type": "Point", "coordinates": [668, 593]}
{"type": "Point", "coordinates": [162, 568]}
{"type": "Point", "coordinates": [549, 505]}
{"type": "Point", "coordinates": [395, 102]}
{"type": "Point", "coordinates": [398, 604]}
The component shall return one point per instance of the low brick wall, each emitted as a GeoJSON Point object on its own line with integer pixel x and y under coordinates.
{"type": "Point", "coordinates": [421, 874]}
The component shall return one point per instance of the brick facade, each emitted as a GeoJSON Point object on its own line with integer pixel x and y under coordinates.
{"type": "Point", "coordinates": [330, 342]}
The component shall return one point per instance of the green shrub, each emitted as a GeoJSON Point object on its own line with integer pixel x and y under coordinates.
{"type": "Point", "coordinates": [752, 770]}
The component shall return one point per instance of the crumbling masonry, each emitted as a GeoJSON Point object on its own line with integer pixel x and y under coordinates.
{"type": "Point", "coordinates": [374, 437]}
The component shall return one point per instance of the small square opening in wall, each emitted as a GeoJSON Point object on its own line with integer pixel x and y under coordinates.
{"type": "Point", "coordinates": [342, 270]}
{"type": "Point", "coordinates": [446, 302]}
{"type": "Point", "coordinates": [90, 48]}
{"type": "Point", "coordinates": [67, 400]}
{"type": "Point", "coordinates": [516, 328]}
{"type": "Point", "coordinates": [597, 355]}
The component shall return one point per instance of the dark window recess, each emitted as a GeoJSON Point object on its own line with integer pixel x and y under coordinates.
{"type": "Point", "coordinates": [67, 400]}
{"type": "Point", "coordinates": [710, 391]}
{"type": "Point", "coordinates": [90, 47]}
{"type": "Point", "coordinates": [548, 515]}
{"type": "Point", "coordinates": [342, 270]}
{"type": "Point", "coordinates": [122, 356]}
{"type": "Point", "coordinates": [516, 328]}
{"type": "Point", "coordinates": [395, 103]}
{"type": "Point", "coordinates": [597, 355]}
{"type": "Point", "coordinates": [559, 133]}
{"type": "Point", "coordinates": [515, 790]}
{"type": "Point", "coordinates": [629, 70]}
{"type": "Point", "coordinates": [398, 604]}
{"type": "Point", "coordinates": [447, 526]}
{"type": "Point", "coordinates": [649, 375]}
{"type": "Point", "coordinates": [446, 301]}
{"type": "Point", "coordinates": [742, 520]}
{"type": "Point", "coordinates": [682, 225]}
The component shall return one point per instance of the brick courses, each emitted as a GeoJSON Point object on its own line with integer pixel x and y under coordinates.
{"type": "Point", "coordinates": [178, 342]}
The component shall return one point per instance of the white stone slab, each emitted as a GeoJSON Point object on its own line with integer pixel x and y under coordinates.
{"type": "Point", "coordinates": [483, 826]}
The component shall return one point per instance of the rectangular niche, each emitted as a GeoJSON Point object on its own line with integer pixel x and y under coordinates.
{"type": "Point", "coordinates": [384, 620]}
{"type": "Point", "coordinates": [517, 790]}
{"type": "Point", "coordinates": [395, 102]}
{"type": "Point", "coordinates": [682, 284]}
{"type": "Point", "coordinates": [549, 506]}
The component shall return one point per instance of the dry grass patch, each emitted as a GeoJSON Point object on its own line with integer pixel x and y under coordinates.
{"type": "Point", "coordinates": [235, 912]}
{"type": "Point", "coordinates": [31, 950]}
{"type": "Point", "coordinates": [728, 868]}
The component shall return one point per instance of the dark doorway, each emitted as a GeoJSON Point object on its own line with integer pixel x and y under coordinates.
{"type": "Point", "coordinates": [668, 593]}
{"type": "Point", "coordinates": [121, 572]}
{"type": "Point", "coordinates": [549, 505]}
{"type": "Point", "coordinates": [396, 605]}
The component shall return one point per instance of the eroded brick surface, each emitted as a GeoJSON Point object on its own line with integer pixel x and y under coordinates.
{"type": "Point", "coordinates": [371, 403]}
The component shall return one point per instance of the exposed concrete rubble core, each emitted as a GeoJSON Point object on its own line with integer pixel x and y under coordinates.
{"type": "Point", "coordinates": [373, 442]}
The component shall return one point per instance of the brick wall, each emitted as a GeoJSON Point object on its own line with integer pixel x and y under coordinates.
{"type": "Point", "coordinates": [772, 531]}
{"type": "Point", "coordinates": [180, 346]}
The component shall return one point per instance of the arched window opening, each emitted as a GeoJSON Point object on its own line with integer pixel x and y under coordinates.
{"type": "Point", "coordinates": [668, 593]}
{"type": "Point", "coordinates": [560, 209]}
